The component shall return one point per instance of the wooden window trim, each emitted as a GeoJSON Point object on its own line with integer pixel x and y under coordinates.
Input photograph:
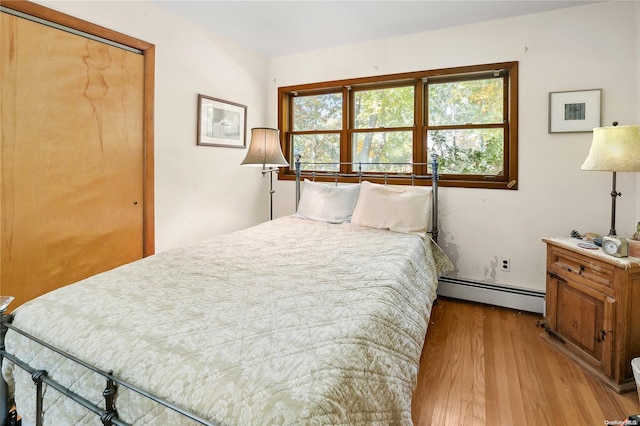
{"type": "Point", "coordinates": [421, 155]}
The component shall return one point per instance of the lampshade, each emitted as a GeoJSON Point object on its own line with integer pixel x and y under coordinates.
{"type": "Point", "coordinates": [264, 149]}
{"type": "Point", "coordinates": [614, 149]}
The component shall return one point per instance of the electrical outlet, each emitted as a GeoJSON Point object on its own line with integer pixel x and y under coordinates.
{"type": "Point", "coordinates": [505, 264]}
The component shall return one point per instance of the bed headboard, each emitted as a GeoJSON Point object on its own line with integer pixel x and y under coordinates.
{"type": "Point", "coordinates": [378, 175]}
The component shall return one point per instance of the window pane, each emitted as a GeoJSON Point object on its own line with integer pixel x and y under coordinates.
{"type": "Point", "coordinates": [393, 107]}
{"type": "Point", "coordinates": [383, 147]}
{"type": "Point", "coordinates": [466, 102]}
{"type": "Point", "coordinates": [470, 151]}
{"type": "Point", "coordinates": [319, 148]}
{"type": "Point", "coordinates": [317, 112]}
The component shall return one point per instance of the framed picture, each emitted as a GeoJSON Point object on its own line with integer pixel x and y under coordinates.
{"type": "Point", "coordinates": [221, 123]}
{"type": "Point", "coordinates": [574, 111]}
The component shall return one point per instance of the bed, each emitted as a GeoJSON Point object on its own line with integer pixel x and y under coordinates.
{"type": "Point", "coordinates": [293, 321]}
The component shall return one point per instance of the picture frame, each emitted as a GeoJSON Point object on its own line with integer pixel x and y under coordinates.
{"type": "Point", "coordinates": [574, 111]}
{"type": "Point", "coordinates": [221, 123]}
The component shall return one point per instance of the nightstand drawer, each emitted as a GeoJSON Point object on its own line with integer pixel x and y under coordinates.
{"type": "Point", "coordinates": [594, 274]}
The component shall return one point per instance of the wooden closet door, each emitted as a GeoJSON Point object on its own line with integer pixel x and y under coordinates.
{"type": "Point", "coordinates": [72, 157]}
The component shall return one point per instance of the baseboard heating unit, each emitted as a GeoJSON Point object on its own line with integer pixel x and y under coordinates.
{"type": "Point", "coordinates": [492, 294]}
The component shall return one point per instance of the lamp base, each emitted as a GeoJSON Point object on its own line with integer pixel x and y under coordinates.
{"type": "Point", "coordinates": [614, 194]}
{"type": "Point", "coordinates": [271, 171]}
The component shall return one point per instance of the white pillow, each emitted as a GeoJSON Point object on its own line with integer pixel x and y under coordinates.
{"type": "Point", "coordinates": [327, 203]}
{"type": "Point", "coordinates": [394, 207]}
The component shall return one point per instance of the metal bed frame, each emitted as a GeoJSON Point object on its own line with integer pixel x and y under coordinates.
{"type": "Point", "coordinates": [109, 415]}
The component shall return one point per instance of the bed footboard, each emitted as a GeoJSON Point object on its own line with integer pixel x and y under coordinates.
{"type": "Point", "coordinates": [108, 415]}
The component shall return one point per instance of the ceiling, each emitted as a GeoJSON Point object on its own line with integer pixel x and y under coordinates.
{"type": "Point", "coordinates": [275, 28]}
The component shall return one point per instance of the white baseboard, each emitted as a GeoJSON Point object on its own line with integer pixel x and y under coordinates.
{"type": "Point", "coordinates": [492, 294]}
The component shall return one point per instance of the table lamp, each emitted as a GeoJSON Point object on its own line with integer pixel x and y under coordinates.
{"type": "Point", "coordinates": [614, 149]}
{"type": "Point", "coordinates": [264, 150]}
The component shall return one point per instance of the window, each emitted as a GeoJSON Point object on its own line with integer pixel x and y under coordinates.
{"type": "Point", "coordinates": [316, 128]}
{"type": "Point", "coordinates": [467, 116]}
{"type": "Point", "coordinates": [383, 127]}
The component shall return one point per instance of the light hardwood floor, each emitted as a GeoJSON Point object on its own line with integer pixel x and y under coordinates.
{"type": "Point", "coordinates": [484, 365]}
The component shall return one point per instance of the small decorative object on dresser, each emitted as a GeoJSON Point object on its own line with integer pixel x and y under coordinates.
{"type": "Point", "coordinates": [634, 243]}
{"type": "Point", "coordinates": [589, 310]}
{"type": "Point", "coordinates": [613, 246]}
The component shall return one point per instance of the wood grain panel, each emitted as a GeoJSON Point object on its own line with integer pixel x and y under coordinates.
{"type": "Point", "coordinates": [72, 157]}
{"type": "Point", "coordinates": [579, 318]}
{"type": "Point", "coordinates": [148, 49]}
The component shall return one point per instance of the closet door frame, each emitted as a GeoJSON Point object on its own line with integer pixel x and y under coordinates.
{"type": "Point", "coordinates": [148, 52]}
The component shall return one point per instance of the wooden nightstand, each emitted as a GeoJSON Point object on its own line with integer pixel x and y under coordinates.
{"type": "Point", "coordinates": [593, 309]}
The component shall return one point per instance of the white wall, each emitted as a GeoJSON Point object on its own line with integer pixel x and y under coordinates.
{"type": "Point", "coordinates": [199, 191]}
{"type": "Point", "coordinates": [573, 49]}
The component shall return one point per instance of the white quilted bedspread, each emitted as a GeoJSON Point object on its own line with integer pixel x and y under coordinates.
{"type": "Point", "coordinates": [289, 322]}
